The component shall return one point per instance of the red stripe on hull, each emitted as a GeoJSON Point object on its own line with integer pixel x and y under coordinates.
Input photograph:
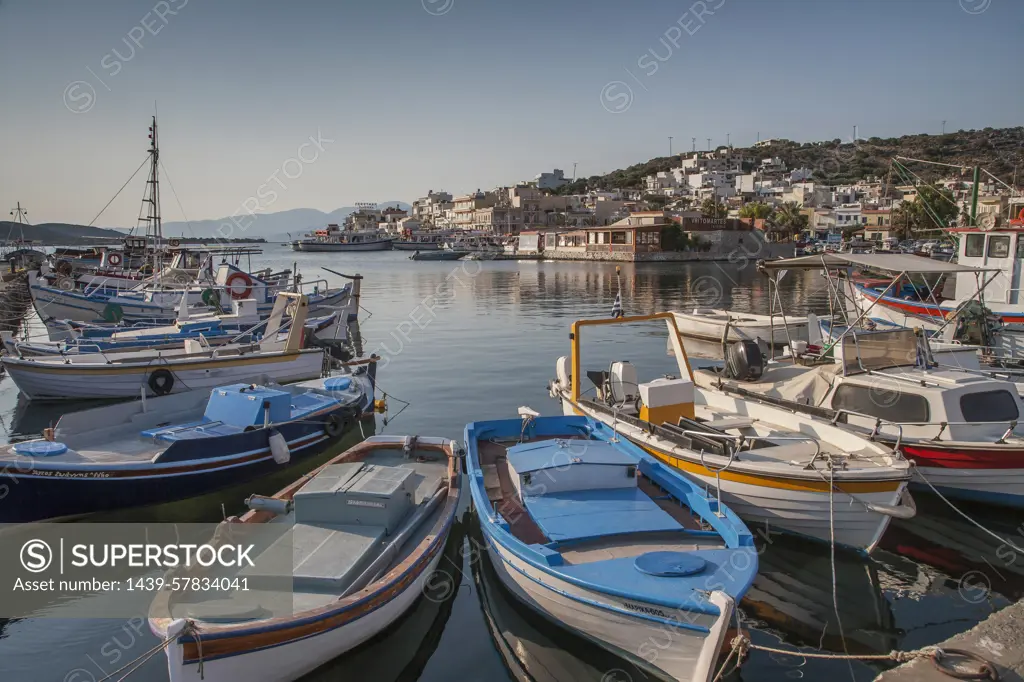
{"type": "Point", "coordinates": [954, 457]}
{"type": "Point", "coordinates": [925, 310]}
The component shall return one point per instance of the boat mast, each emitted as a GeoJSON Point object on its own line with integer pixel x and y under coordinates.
{"type": "Point", "coordinates": [19, 219]}
{"type": "Point", "coordinates": [154, 226]}
{"type": "Point", "coordinates": [974, 196]}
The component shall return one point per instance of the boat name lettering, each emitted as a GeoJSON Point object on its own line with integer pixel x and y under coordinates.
{"type": "Point", "coordinates": [71, 474]}
{"type": "Point", "coordinates": [650, 610]}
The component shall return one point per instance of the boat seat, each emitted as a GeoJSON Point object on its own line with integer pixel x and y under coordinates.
{"type": "Point", "coordinates": [726, 424]}
{"type": "Point", "coordinates": [581, 514]}
{"type": "Point", "coordinates": [600, 379]}
{"type": "Point", "coordinates": [191, 430]}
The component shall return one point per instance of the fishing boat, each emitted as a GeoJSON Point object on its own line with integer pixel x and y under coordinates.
{"type": "Point", "coordinates": [709, 324]}
{"type": "Point", "coordinates": [159, 372]}
{"type": "Point", "coordinates": [242, 325]}
{"type": "Point", "coordinates": [439, 254]}
{"type": "Point", "coordinates": [595, 534]}
{"type": "Point", "coordinates": [174, 447]}
{"type": "Point", "coordinates": [368, 531]}
{"type": "Point", "coordinates": [959, 427]}
{"type": "Point", "coordinates": [156, 305]}
{"type": "Point", "coordinates": [777, 468]}
{"type": "Point", "coordinates": [421, 240]}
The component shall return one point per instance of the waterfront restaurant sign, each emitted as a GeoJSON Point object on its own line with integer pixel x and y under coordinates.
{"type": "Point", "coordinates": [711, 224]}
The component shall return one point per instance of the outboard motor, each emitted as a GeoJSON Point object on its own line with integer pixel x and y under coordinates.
{"type": "Point", "coordinates": [744, 361]}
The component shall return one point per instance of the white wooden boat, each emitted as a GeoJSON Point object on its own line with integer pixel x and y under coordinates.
{"type": "Point", "coordinates": [369, 529]}
{"type": "Point", "coordinates": [709, 324]}
{"type": "Point", "coordinates": [776, 468]}
{"type": "Point", "coordinates": [196, 366]}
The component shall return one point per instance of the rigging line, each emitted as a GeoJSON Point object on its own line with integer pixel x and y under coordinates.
{"type": "Point", "coordinates": [933, 163]}
{"type": "Point", "coordinates": [119, 191]}
{"type": "Point", "coordinates": [178, 201]}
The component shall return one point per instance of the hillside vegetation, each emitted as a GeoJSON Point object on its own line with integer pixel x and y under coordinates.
{"type": "Point", "coordinates": [834, 162]}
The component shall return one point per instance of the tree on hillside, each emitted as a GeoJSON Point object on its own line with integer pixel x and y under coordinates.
{"type": "Point", "coordinates": [710, 208]}
{"type": "Point", "coordinates": [755, 210]}
{"type": "Point", "coordinates": [933, 208]}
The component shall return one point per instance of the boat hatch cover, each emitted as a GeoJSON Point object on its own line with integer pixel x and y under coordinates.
{"type": "Point", "coordinates": [669, 564]}
{"type": "Point", "coordinates": [337, 384]}
{"type": "Point", "coordinates": [41, 448]}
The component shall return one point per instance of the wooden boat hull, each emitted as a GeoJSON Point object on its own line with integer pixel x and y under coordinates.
{"type": "Point", "coordinates": [38, 492]}
{"type": "Point", "coordinates": [49, 380]}
{"type": "Point", "coordinates": [983, 473]}
{"type": "Point", "coordinates": [287, 648]}
{"type": "Point", "coordinates": [380, 245]}
{"type": "Point", "coordinates": [679, 651]}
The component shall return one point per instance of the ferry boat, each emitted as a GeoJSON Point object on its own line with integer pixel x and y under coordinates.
{"type": "Point", "coordinates": [421, 240]}
{"type": "Point", "coordinates": [334, 238]}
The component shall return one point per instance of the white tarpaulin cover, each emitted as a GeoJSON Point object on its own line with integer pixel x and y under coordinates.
{"type": "Point", "coordinates": [887, 262]}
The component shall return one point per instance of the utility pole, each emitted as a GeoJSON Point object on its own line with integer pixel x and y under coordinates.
{"type": "Point", "coordinates": [728, 141]}
{"type": "Point", "coordinates": [694, 143]}
{"type": "Point", "coordinates": [709, 143]}
{"type": "Point", "coordinates": [943, 127]}
{"type": "Point", "coordinates": [574, 171]}
{"type": "Point", "coordinates": [855, 134]}
{"type": "Point", "coordinates": [670, 145]}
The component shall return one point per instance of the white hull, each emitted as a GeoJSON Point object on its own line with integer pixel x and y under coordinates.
{"type": "Point", "coordinates": [293, 660]}
{"type": "Point", "coordinates": [681, 653]}
{"type": "Point", "coordinates": [55, 381]}
{"type": "Point", "coordinates": [997, 486]}
{"type": "Point", "coordinates": [709, 324]}
{"type": "Point", "coordinates": [55, 305]}
{"type": "Point", "coordinates": [786, 508]}
{"type": "Point", "coordinates": [382, 245]}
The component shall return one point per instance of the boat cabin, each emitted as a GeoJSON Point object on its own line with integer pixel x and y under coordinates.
{"type": "Point", "coordinates": [1000, 248]}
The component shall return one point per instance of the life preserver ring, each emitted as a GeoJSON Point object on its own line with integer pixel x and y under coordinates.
{"type": "Point", "coordinates": [334, 426]}
{"type": "Point", "coordinates": [174, 243]}
{"type": "Point", "coordinates": [239, 294]}
{"type": "Point", "coordinates": [65, 284]}
{"type": "Point", "coordinates": [114, 259]}
{"type": "Point", "coordinates": [64, 268]}
{"type": "Point", "coordinates": [161, 381]}
{"type": "Point", "coordinates": [113, 313]}
{"type": "Point", "coordinates": [1021, 214]}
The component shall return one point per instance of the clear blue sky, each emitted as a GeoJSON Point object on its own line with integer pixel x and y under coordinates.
{"type": "Point", "coordinates": [460, 94]}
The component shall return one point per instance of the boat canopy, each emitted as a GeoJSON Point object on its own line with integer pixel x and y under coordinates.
{"type": "Point", "coordinates": [895, 263]}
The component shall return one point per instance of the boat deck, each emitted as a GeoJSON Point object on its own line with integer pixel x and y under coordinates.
{"type": "Point", "coordinates": [502, 493]}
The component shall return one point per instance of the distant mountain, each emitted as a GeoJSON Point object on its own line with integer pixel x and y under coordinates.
{"type": "Point", "coordinates": [57, 233]}
{"type": "Point", "coordinates": [272, 226]}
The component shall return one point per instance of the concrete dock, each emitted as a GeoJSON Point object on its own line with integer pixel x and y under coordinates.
{"type": "Point", "coordinates": [999, 639]}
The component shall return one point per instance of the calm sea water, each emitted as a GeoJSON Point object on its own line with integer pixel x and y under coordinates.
{"type": "Point", "coordinates": [475, 340]}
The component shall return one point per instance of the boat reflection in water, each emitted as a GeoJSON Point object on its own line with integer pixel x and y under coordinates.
{"type": "Point", "coordinates": [792, 597]}
{"type": "Point", "coordinates": [533, 648]}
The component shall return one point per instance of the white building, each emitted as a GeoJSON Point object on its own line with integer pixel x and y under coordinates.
{"type": "Point", "coordinates": [552, 180]}
{"type": "Point", "coordinates": [848, 215]}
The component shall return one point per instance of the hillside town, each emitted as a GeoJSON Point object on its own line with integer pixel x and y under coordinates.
{"type": "Point", "coordinates": [701, 210]}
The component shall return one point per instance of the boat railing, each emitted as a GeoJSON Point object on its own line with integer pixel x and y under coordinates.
{"type": "Point", "coordinates": [839, 412]}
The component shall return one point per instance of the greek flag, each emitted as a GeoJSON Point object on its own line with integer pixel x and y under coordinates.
{"type": "Point", "coordinates": [617, 306]}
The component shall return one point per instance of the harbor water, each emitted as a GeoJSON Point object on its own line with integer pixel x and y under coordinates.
{"type": "Point", "coordinates": [472, 340]}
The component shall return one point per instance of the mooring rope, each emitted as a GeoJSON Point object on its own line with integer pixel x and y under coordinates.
{"type": "Point", "coordinates": [137, 663]}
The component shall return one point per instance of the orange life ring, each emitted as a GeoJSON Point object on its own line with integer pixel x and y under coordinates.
{"type": "Point", "coordinates": [114, 259]}
{"type": "Point", "coordinates": [230, 284]}
{"type": "Point", "coordinates": [1021, 214]}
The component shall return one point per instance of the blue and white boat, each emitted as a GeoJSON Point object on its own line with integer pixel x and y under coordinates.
{"type": "Point", "coordinates": [594, 533]}
{"type": "Point", "coordinates": [176, 446]}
